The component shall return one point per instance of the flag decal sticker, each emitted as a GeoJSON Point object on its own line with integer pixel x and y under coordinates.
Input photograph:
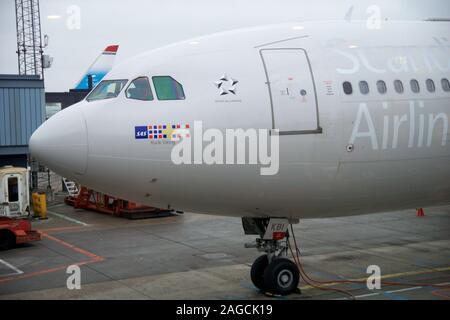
{"type": "Point", "coordinates": [171, 132]}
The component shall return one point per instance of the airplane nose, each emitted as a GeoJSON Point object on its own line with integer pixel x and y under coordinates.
{"type": "Point", "coordinates": [61, 142]}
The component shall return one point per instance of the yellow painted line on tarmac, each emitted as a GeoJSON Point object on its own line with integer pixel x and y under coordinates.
{"type": "Point", "coordinates": [387, 276]}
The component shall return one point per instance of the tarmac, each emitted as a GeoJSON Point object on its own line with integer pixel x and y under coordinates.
{"type": "Point", "coordinates": [193, 256]}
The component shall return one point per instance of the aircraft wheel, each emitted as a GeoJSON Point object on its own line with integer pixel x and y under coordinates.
{"type": "Point", "coordinates": [7, 240]}
{"type": "Point", "coordinates": [257, 271]}
{"type": "Point", "coordinates": [281, 276]}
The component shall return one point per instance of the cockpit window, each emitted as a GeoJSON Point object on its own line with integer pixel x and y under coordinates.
{"type": "Point", "coordinates": [107, 89]}
{"type": "Point", "coordinates": [139, 89]}
{"type": "Point", "coordinates": [167, 88]}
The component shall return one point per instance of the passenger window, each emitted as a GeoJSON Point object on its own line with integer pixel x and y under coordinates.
{"type": "Point", "coordinates": [347, 86]}
{"type": "Point", "coordinates": [364, 87]}
{"type": "Point", "coordinates": [414, 86]}
{"type": "Point", "coordinates": [381, 85]}
{"type": "Point", "coordinates": [430, 85]}
{"type": "Point", "coordinates": [139, 89]}
{"type": "Point", "coordinates": [445, 85]}
{"type": "Point", "coordinates": [398, 85]}
{"type": "Point", "coordinates": [167, 88]}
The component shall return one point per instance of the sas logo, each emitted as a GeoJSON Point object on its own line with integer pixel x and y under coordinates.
{"type": "Point", "coordinates": [159, 132]}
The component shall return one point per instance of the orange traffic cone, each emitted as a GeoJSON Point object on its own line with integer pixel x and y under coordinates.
{"type": "Point", "coordinates": [420, 212]}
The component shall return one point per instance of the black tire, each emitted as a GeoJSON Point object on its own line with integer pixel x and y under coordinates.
{"type": "Point", "coordinates": [281, 277]}
{"type": "Point", "coordinates": [7, 240]}
{"type": "Point", "coordinates": [257, 271]}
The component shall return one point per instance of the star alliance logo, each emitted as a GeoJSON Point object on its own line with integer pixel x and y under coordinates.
{"type": "Point", "coordinates": [226, 85]}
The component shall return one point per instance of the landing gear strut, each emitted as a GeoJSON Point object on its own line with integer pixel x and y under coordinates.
{"type": "Point", "coordinates": [272, 272]}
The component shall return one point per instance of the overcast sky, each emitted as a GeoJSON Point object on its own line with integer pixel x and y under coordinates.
{"type": "Point", "coordinates": [140, 25]}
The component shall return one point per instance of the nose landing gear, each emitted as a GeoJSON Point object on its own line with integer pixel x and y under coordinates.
{"type": "Point", "coordinates": [272, 272]}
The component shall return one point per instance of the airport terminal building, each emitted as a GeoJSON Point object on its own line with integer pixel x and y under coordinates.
{"type": "Point", "coordinates": [22, 111]}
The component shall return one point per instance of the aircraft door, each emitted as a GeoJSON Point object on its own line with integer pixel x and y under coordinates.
{"type": "Point", "coordinates": [292, 91]}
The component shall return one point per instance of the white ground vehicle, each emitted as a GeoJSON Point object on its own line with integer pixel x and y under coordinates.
{"type": "Point", "coordinates": [14, 194]}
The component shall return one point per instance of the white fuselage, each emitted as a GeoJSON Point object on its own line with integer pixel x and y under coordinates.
{"type": "Point", "coordinates": [339, 154]}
